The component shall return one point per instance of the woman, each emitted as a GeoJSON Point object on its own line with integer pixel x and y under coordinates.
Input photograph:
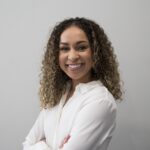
{"type": "Point", "coordinates": [79, 85]}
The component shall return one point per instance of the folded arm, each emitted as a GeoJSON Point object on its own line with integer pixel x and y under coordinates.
{"type": "Point", "coordinates": [36, 138]}
{"type": "Point", "coordinates": [93, 127]}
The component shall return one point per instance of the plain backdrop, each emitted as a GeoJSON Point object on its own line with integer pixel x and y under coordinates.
{"type": "Point", "coordinates": [25, 26]}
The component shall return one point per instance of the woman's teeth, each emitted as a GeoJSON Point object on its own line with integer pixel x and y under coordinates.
{"type": "Point", "coordinates": [74, 66]}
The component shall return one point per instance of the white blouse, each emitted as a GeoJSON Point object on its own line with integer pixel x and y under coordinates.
{"type": "Point", "coordinates": [89, 117]}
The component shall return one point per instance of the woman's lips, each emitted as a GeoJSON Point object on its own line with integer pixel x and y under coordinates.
{"type": "Point", "coordinates": [74, 66]}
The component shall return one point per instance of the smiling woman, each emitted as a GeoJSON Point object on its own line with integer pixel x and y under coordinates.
{"type": "Point", "coordinates": [79, 85]}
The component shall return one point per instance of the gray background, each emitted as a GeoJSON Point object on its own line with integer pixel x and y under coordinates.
{"type": "Point", "coordinates": [24, 29]}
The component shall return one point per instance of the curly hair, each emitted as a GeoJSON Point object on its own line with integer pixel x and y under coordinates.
{"type": "Point", "coordinates": [53, 81]}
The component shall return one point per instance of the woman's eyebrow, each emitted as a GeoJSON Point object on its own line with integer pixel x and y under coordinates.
{"type": "Point", "coordinates": [78, 42]}
{"type": "Point", "coordinates": [81, 42]}
{"type": "Point", "coordinates": [64, 43]}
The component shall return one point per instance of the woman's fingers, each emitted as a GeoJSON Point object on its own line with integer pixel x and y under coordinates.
{"type": "Point", "coordinates": [64, 141]}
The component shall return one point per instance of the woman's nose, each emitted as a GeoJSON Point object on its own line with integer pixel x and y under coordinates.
{"type": "Point", "coordinates": [73, 55]}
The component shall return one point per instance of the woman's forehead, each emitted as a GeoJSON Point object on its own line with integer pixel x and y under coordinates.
{"type": "Point", "coordinates": [73, 33]}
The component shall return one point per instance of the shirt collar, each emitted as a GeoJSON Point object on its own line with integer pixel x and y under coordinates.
{"type": "Point", "coordinates": [85, 87]}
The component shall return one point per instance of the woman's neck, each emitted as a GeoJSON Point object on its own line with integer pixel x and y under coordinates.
{"type": "Point", "coordinates": [74, 83]}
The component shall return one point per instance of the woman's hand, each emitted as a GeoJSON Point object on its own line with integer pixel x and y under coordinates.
{"type": "Point", "coordinates": [64, 141]}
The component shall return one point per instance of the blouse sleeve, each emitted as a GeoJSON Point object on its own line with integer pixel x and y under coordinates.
{"type": "Point", "coordinates": [35, 140]}
{"type": "Point", "coordinates": [93, 126]}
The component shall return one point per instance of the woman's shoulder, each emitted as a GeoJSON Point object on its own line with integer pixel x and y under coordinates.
{"type": "Point", "coordinates": [96, 91]}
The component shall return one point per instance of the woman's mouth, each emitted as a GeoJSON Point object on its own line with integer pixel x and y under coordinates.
{"type": "Point", "coordinates": [74, 66]}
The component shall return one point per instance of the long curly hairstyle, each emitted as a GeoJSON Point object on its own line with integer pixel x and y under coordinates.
{"type": "Point", "coordinates": [53, 82]}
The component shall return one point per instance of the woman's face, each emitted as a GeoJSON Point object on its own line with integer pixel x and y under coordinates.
{"type": "Point", "coordinates": [75, 54]}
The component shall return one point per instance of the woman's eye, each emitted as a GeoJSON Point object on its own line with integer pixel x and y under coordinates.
{"type": "Point", "coordinates": [63, 48]}
{"type": "Point", "coordinates": [82, 48]}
